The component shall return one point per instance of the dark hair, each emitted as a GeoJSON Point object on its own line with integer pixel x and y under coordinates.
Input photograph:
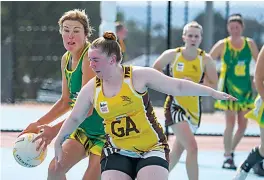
{"type": "Point", "coordinates": [108, 44]}
{"type": "Point", "coordinates": [236, 18]}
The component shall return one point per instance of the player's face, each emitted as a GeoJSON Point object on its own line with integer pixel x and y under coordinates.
{"type": "Point", "coordinates": [235, 29]}
{"type": "Point", "coordinates": [73, 35]}
{"type": "Point", "coordinates": [100, 62]}
{"type": "Point", "coordinates": [192, 37]}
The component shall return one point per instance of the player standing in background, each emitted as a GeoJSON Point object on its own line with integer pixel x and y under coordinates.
{"type": "Point", "coordinates": [236, 53]}
{"type": "Point", "coordinates": [183, 113]}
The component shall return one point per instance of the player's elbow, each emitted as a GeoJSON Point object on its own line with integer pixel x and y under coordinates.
{"type": "Point", "coordinates": [179, 87]}
{"type": "Point", "coordinates": [258, 78]}
{"type": "Point", "coordinates": [157, 66]}
{"type": "Point", "coordinates": [75, 120]}
{"type": "Point", "coordinates": [213, 83]}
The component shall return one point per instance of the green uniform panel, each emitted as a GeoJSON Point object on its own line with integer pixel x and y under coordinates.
{"type": "Point", "coordinates": [93, 125]}
{"type": "Point", "coordinates": [235, 77]}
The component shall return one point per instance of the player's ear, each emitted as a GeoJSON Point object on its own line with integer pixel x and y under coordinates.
{"type": "Point", "coordinates": [113, 59]}
{"type": "Point", "coordinates": [183, 38]}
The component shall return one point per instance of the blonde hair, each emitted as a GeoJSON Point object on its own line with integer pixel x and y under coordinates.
{"type": "Point", "coordinates": [77, 15]}
{"type": "Point", "coordinates": [108, 44]}
{"type": "Point", "coordinates": [193, 24]}
{"type": "Point", "coordinates": [236, 18]}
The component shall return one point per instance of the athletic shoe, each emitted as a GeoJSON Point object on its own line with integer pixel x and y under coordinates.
{"type": "Point", "coordinates": [229, 164]}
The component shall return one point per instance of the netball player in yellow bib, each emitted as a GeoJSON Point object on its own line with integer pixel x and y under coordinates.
{"type": "Point", "coordinates": [136, 146]}
{"type": "Point", "coordinates": [257, 114]}
{"type": "Point", "coordinates": [183, 113]}
{"type": "Point", "coordinates": [236, 53]}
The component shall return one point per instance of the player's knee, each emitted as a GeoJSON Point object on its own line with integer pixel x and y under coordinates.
{"type": "Point", "coordinates": [230, 126]}
{"type": "Point", "coordinates": [95, 165]}
{"type": "Point", "coordinates": [52, 169]}
{"type": "Point", "coordinates": [53, 172]}
{"type": "Point", "coordinates": [241, 128]}
{"type": "Point", "coordinates": [94, 162]}
{"type": "Point", "coordinates": [192, 147]}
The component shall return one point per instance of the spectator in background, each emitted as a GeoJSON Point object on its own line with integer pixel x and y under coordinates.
{"type": "Point", "coordinates": [121, 32]}
{"type": "Point", "coordinates": [236, 52]}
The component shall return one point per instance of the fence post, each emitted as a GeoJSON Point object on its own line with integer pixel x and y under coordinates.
{"type": "Point", "coordinates": [168, 47]}
{"type": "Point", "coordinates": [108, 16]}
{"type": "Point", "coordinates": [148, 39]}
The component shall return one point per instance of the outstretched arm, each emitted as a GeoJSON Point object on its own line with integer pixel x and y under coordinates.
{"type": "Point", "coordinates": [77, 116]}
{"type": "Point", "coordinates": [83, 103]}
{"type": "Point", "coordinates": [177, 87]}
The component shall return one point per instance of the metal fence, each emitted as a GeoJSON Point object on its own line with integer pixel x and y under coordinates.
{"type": "Point", "coordinates": [32, 47]}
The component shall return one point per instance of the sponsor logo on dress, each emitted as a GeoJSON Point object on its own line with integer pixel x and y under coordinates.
{"type": "Point", "coordinates": [127, 100]}
{"type": "Point", "coordinates": [180, 66]}
{"type": "Point", "coordinates": [104, 107]}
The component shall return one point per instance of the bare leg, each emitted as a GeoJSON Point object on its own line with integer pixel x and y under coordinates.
{"type": "Point", "coordinates": [175, 154]}
{"type": "Point", "coordinates": [242, 125]}
{"type": "Point", "coordinates": [94, 169]}
{"type": "Point", "coordinates": [115, 175]}
{"type": "Point", "coordinates": [73, 152]}
{"type": "Point", "coordinates": [187, 139]}
{"type": "Point", "coordinates": [261, 148]}
{"type": "Point", "coordinates": [153, 172]}
{"type": "Point", "coordinates": [228, 133]}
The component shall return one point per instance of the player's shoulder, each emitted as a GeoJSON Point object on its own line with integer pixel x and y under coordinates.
{"type": "Point", "coordinates": [250, 40]}
{"type": "Point", "coordinates": [140, 71]}
{"type": "Point", "coordinates": [65, 54]}
{"type": "Point", "coordinates": [142, 74]}
{"type": "Point", "coordinates": [171, 51]}
{"type": "Point", "coordinates": [207, 55]}
{"type": "Point", "coordinates": [64, 58]}
{"type": "Point", "coordinates": [92, 83]}
{"type": "Point", "coordinates": [221, 41]}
